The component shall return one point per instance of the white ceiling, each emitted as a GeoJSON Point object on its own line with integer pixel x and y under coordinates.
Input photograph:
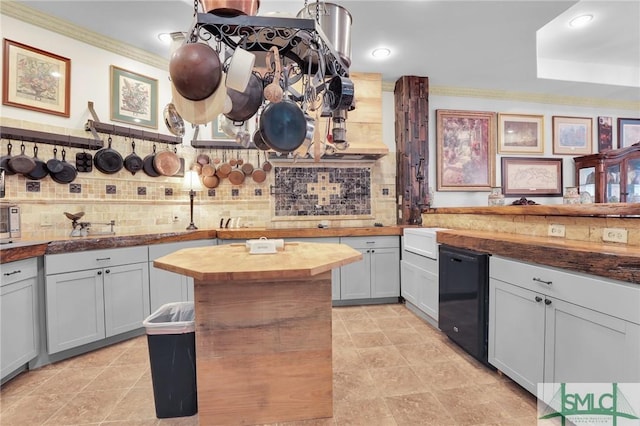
{"type": "Point", "coordinates": [470, 44]}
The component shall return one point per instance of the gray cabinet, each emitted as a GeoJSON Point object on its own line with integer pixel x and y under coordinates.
{"type": "Point", "coordinates": [549, 325]}
{"type": "Point", "coordinates": [335, 273]}
{"type": "Point", "coordinates": [419, 283]}
{"type": "Point", "coordinates": [95, 294]}
{"type": "Point", "coordinates": [18, 314]}
{"type": "Point", "coordinates": [377, 275]}
{"type": "Point", "coordinates": [166, 286]}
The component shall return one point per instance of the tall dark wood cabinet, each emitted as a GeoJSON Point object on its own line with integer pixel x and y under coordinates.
{"type": "Point", "coordinates": [610, 176]}
{"type": "Point", "coordinates": [411, 96]}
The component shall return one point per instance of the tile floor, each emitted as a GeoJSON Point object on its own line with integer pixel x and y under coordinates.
{"type": "Point", "coordinates": [390, 368]}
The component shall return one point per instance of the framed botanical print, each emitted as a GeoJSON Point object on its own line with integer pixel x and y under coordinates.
{"type": "Point", "coordinates": [520, 134]}
{"type": "Point", "coordinates": [628, 132]}
{"type": "Point", "coordinates": [465, 150]}
{"type": "Point", "coordinates": [134, 98]}
{"type": "Point", "coordinates": [35, 79]}
{"type": "Point", "coordinates": [524, 176]}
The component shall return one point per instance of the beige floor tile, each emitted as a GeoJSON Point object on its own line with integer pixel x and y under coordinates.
{"type": "Point", "coordinates": [370, 339]}
{"type": "Point", "coordinates": [397, 381]}
{"type": "Point", "coordinates": [90, 406]}
{"type": "Point", "coordinates": [390, 369]}
{"type": "Point", "coordinates": [418, 409]}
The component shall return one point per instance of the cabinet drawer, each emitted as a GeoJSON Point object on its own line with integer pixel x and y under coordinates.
{"type": "Point", "coordinates": [79, 261]}
{"type": "Point", "coordinates": [19, 270]}
{"type": "Point", "coordinates": [159, 250]}
{"type": "Point", "coordinates": [430, 265]}
{"type": "Point", "coordinates": [371, 242]}
{"type": "Point", "coordinates": [615, 298]}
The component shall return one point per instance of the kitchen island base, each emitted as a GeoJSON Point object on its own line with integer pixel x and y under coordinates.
{"type": "Point", "coordinates": [263, 350]}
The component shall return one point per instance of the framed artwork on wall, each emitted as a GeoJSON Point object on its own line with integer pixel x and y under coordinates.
{"type": "Point", "coordinates": [520, 134]}
{"type": "Point", "coordinates": [134, 98]}
{"type": "Point", "coordinates": [217, 131]}
{"type": "Point", "coordinates": [36, 80]}
{"type": "Point", "coordinates": [465, 150]}
{"type": "Point", "coordinates": [628, 131]}
{"type": "Point", "coordinates": [522, 176]}
{"type": "Point", "coordinates": [572, 135]}
{"type": "Point", "coordinates": [605, 134]}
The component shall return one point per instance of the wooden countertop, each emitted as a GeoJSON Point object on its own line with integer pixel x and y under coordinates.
{"type": "Point", "coordinates": [613, 261]}
{"type": "Point", "coordinates": [233, 261]}
{"type": "Point", "coordinates": [595, 209]}
{"type": "Point", "coordinates": [250, 233]}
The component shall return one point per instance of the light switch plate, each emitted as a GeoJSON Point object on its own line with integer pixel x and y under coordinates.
{"type": "Point", "coordinates": [556, 230]}
{"type": "Point", "coordinates": [614, 235]}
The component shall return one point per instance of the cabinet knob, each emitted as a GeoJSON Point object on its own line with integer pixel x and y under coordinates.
{"type": "Point", "coordinates": [99, 272]}
{"type": "Point", "coordinates": [373, 251]}
{"type": "Point", "coordinates": [107, 271]}
{"type": "Point", "coordinates": [538, 299]}
{"type": "Point", "coordinates": [547, 302]}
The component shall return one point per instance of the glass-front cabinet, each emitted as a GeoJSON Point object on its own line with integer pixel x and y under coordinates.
{"type": "Point", "coordinates": [610, 176]}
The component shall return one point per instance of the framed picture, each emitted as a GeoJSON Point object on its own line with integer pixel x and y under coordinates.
{"type": "Point", "coordinates": [628, 131]}
{"type": "Point", "coordinates": [216, 129]}
{"type": "Point", "coordinates": [134, 98]}
{"type": "Point", "coordinates": [36, 80]}
{"type": "Point", "coordinates": [520, 134]}
{"type": "Point", "coordinates": [523, 177]}
{"type": "Point", "coordinates": [465, 150]}
{"type": "Point", "coordinates": [605, 133]}
{"type": "Point", "coordinates": [572, 135]}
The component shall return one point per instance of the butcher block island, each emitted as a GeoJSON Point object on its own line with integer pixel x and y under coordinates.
{"type": "Point", "coordinates": [263, 330]}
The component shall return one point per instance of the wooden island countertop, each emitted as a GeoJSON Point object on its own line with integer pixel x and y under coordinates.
{"type": "Point", "coordinates": [262, 330]}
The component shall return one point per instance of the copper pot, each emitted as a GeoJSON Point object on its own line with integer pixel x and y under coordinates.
{"type": "Point", "coordinates": [231, 7]}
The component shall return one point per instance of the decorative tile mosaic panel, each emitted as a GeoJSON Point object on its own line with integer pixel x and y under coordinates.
{"type": "Point", "coordinates": [33, 186]}
{"type": "Point", "coordinates": [322, 191]}
{"type": "Point", "coordinates": [142, 190]}
{"type": "Point", "coordinates": [168, 192]}
{"type": "Point", "coordinates": [75, 188]}
{"type": "Point", "coordinates": [111, 189]}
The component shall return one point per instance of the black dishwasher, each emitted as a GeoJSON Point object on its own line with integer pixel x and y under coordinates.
{"type": "Point", "coordinates": [464, 299]}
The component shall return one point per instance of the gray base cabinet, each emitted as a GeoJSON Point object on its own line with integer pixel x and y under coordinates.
{"type": "Point", "coordinates": [377, 275]}
{"type": "Point", "coordinates": [419, 283]}
{"type": "Point", "coordinates": [167, 286]}
{"type": "Point", "coordinates": [95, 294]}
{"type": "Point", "coordinates": [553, 326]}
{"type": "Point", "coordinates": [18, 315]}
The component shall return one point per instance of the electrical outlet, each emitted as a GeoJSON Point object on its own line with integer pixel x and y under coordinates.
{"type": "Point", "coordinates": [615, 235]}
{"type": "Point", "coordinates": [46, 219]}
{"type": "Point", "coordinates": [555, 230]}
{"type": "Point", "coordinates": [175, 217]}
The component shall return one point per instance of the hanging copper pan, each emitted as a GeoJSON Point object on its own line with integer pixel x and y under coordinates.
{"type": "Point", "coordinates": [167, 163]}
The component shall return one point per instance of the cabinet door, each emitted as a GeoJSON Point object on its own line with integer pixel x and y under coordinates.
{"type": "Point", "coordinates": [355, 278]}
{"type": "Point", "coordinates": [516, 333]}
{"type": "Point", "coordinates": [428, 293]}
{"type": "Point", "coordinates": [75, 309]}
{"type": "Point", "coordinates": [18, 325]}
{"type": "Point", "coordinates": [385, 272]}
{"type": "Point", "coordinates": [126, 297]}
{"type": "Point", "coordinates": [409, 281]}
{"type": "Point", "coordinates": [582, 345]}
{"type": "Point", "coordinates": [167, 287]}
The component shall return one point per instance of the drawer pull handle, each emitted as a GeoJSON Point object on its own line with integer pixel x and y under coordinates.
{"type": "Point", "coordinates": [6, 274]}
{"type": "Point", "coordinates": [543, 281]}
{"type": "Point", "coordinates": [538, 299]}
{"type": "Point", "coordinates": [100, 259]}
{"type": "Point", "coordinates": [455, 259]}
{"type": "Point", "coordinates": [547, 302]}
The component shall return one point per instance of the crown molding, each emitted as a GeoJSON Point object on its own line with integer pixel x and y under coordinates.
{"type": "Point", "coordinates": [540, 98]}
{"type": "Point", "coordinates": [67, 29]}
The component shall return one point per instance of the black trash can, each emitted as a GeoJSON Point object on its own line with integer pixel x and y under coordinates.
{"type": "Point", "coordinates": [172, 353]}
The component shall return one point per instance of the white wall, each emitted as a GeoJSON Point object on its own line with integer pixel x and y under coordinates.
{"type": "Point", "coordinates": [451, 199]}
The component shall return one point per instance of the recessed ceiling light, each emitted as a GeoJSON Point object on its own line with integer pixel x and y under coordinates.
{"type": "Point", "coordinates": [381, 52]}
{"type": "Point", "coordinates": [580, 21]}
{"type": "Point", "coordinates": [165, 38]}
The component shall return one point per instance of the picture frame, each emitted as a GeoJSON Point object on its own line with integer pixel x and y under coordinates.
{"type": "Point", "coordinates": [605, 134]}
{"type": "Point", "coordinates": [525, 176]}
{"type": "Point", "coordinates": [217, 134]}
{"type": "Point", "coordinates": [628, 131]}
{"type": "Point", "coordinates": [465, 150]}
{"type": "Point", "coordinates": [36, 80]}
{"type": "Point", "coordinates": [134, 98]}
{"type": "Point", "coordinates": [520, 134]}
{"type": "Point", "coordinates": [572, 135]}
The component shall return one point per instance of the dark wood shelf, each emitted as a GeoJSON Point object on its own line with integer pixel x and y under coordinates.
{"type": "Point", "coordinates": [25, 135]}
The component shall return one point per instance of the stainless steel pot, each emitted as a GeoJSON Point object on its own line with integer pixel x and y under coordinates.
{"type": "Point", "coordinates": [335, 22]}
